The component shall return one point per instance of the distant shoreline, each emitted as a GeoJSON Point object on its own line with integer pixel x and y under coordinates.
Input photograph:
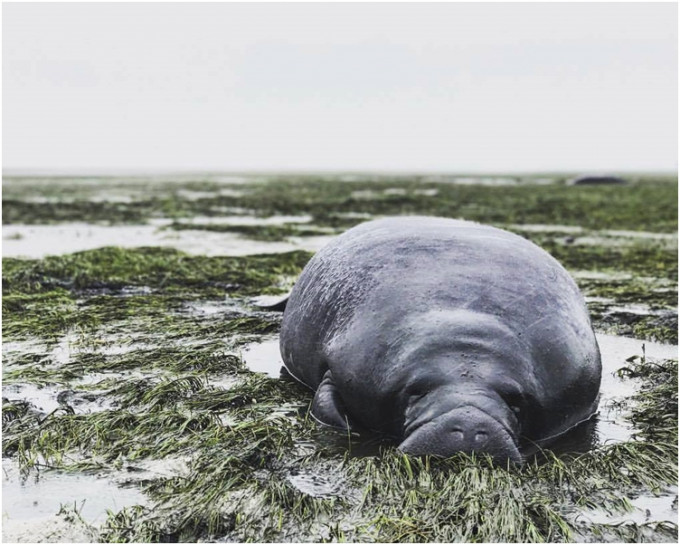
{"type": "Point", "coordinates": [105, 172]}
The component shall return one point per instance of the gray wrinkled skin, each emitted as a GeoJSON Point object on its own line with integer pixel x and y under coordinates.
{"type": "Point", "coordinates": [446, 335]}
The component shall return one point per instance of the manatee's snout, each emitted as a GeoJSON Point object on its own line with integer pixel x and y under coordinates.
{"type": "Point", "coordinates": [465, 429]}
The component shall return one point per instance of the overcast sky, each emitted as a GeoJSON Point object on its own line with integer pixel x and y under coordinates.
{"type": "Point", "coordinates": [431, 87]}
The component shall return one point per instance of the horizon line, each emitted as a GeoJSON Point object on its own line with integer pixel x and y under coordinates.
{"type": "Point", "coordinates": [156, 171]}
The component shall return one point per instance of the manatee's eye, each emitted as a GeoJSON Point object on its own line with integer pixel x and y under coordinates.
{"type": "Point", "coordinates": [514, 398]}
{"type": "Point", "coordinates": [419, 387]}
{"type": "Point", "coordinates": [416, 393]}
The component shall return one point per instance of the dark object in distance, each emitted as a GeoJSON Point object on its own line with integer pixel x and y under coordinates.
{"type": "Point", "coordinates": [446, 335]}
{"type": "Point", "coordinates": [597, 180]}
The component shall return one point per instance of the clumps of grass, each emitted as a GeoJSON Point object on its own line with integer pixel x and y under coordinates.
{"type": "Point", "coordinates": [655, 407]}
{"type": "Point", "coordinates": [593, 207]}
{"type": "Point", "coordinates": [47, 297]}
{"type": "Point", "coordinates": [21, 211]}
{"type": "Point", "coordinates": [395, 498]}
{"type": "Point", "coordinates": [63, 440]}
{"type": "Point", "coordinates": [467, 499]}
{"type": "Point", "coordinates": [154, 417]}
{"type": "Point", "coordinates": [166, 270]}
{"type": "Point", "coordinates": [657, 327]}
{"type": "Point", "coordinates": [632, 532]}
{"type": "Point", "coordinates": [226, 482]}
{"type": "Point", "coordinates": [337, 221]}
{"type": "Point", "coordinates": [46, 314]}
{"type": "Point", "coordinates": [210, 357]}
{"type": "Point", "coordinates": [18, 416]}
{"type": "Point", "coordinates": [125, 526]}
{"type": "Point", "coordinates": [639, 258]}
{"type": "Point", "coordinates": [213, 357]}
{"type": "Point", "coordinates": [657, 293]}
{"type": "Point", "coordinates": [602, 208]}
{"type": "Point", "coordinates": [662, 329]}
{"type": "Point", "coordinates": [596, 207]}
{"type": "Point", "coordinates": [643, 308]}
{"type": "Point", "coordinates": [239, 490]}
{"type": "Point", "coordinates": [237, 487]}
{"type": "Point", "coordinates": [463, 499]}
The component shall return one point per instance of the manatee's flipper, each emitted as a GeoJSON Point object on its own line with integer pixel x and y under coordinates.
{"type": "Point", "coordinates": [328, 407]}
{"type": "Point", "coordinates": [278, 306]}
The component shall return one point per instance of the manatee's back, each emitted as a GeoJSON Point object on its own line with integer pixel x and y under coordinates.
{"type": "Point", "coordinates": [372, 276]}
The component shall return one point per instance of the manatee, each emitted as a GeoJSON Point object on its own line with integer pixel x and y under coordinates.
{"type": "Point", "coordinates": [444, 335]}
{"type": "Point", "coordinates": [597, 179]}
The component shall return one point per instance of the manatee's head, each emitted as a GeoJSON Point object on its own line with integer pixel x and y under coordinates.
{"type": "Point", "coordinates": [447, 420]}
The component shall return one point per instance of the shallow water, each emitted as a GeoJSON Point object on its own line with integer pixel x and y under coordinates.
{"type": "Point", "coordinates": [642, 235]}
{"type": "Point", "coordinates": [646, 508]}
{"type": "Point", "coordinates": [326, 484]}
{"type": "Point", "coordinates": [61, 352]}
{"type": "Point", "coordinates": [48, 399]}
{"type": "Point", "coordinates": [192, 195]}
{"type": "Point", "coordinates": [264, 357]}
{"type": "Point", "coordinates": [213, 308]}
{"type": "Point", "coordinates": [611, 426]}
{"type": "Point", "coordinates": [38, 241]}
{"type": "Point", "coordinates": [474, 180]}
{"type": "Point", "coordinates": [41, 494]}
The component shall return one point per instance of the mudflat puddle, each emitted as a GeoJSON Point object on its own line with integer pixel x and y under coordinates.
{"type": "Point", "coordinates": [611, 426]}
{"type": "Point", "coordinates": [38, 241]}
{"type": "Point", "coordinates": [247, 220]}
{"type": "Point", "coordinates": [646, 508]}
{"type": "Point", "coordinates": [264, 357]}
{"type": "Point", "coordinates": [31, 503]}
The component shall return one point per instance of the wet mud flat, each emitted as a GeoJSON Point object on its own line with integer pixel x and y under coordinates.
{"type": "Point", "coordinates": [141, 392]}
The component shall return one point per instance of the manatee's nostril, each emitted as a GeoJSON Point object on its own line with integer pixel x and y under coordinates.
{"type": "Point", "coordinates": [458, 434]}
{"type": "Point", "coordinates": [481, 436]}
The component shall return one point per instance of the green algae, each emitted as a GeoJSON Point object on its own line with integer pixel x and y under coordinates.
{"type": "Point", "coordinates": [654, 409]}
{"type": "Point", "coordinates": [18, 211]}
{"type": "Point", "coordinates": [165, 269]}
{"type": "Point", "coordinates": [593, 207]}
{"type": "Point", "coordinates": [641, 258]}
{"type": "Point", "coordinates": [648, 204]}
{"type": "Point", "coordinates": [81, 291]}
